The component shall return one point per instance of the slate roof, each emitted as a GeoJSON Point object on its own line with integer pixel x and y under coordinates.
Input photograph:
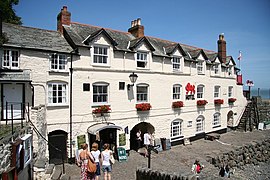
{"type": "Point", "coordinates": [33, 38]}
{"type": "Point", "coordinates": [127, 42]}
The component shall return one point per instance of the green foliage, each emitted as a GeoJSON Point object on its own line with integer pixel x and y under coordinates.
{"type": "Point", "coordinates": [8, 13]}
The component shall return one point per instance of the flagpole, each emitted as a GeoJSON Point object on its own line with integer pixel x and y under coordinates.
{"type": "Point", "coordinates": [239, 59]}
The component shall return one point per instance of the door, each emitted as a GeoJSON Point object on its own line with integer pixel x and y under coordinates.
{"type": "Point", "coordinates": [57, 147]}
{"type": "Point", "coordinates": [13, 95]}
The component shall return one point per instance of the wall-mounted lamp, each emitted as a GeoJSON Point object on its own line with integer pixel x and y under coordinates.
{"type": "Point", "coordinates": [133, 78]}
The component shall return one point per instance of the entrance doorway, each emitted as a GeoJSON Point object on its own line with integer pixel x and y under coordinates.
{"type": "Point", "coordinates": [230, 119]}
{"type": "Point", "coordinates": [143, 126]}
{"type": "Point", "coordinates": [57, 146]}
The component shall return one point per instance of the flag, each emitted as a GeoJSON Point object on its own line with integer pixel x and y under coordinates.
{"type": "Point", "coordinates": [240, 56]}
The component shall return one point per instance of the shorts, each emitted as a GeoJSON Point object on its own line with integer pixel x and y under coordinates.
{"type": "Point", "coordinates": [98, 169]}
{"type": "Point", "coordinates": [106, 168]}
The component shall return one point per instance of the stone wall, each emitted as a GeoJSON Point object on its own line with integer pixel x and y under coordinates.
{"type": "Point", "coordinates": [252, 153]}
{"type": "Point", "coordinates": [6, 148]}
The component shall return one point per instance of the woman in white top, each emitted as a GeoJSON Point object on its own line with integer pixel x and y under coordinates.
{"type": "Point", "coordinates": [105, 161]}
{"type": "Point", "coordinates": [96, 154]}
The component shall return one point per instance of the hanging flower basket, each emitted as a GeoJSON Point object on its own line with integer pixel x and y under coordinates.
{"type": "Point", "coordinates": [201, 102]}
{"type": "Point", "coordinates": [177, 104]}
{"type": "Point", "coordinates": [231, 100]}
{"type": "Point", "coordinates": [102, 109]}
{"type": "Point", "coordinates": [218, 101]}
{"type": "Point", "coordinates": [143, 107]}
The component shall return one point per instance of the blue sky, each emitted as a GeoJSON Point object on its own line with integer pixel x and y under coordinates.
{"type": "Point", "coordinates": [245, 23]}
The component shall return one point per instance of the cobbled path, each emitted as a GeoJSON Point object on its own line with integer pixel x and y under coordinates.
{"type": "Point", "coordinates": [180, 158]}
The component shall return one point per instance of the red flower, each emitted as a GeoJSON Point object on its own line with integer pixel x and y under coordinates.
{"type": "Point", "coordinates": [231, 100]}
{"type": "Point", "coordinates": [143, 107]}
{"type": "Point", "coordinates": [102, 109]}
{"type": "Point", "coordinates": [218, 101]}
{"type": "Point", "coordinates": [201, 102]}
{"type": "Point", "coordinates": [177, 104]}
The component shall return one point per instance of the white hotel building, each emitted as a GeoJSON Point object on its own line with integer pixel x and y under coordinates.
{"type": "Point", "coordinates": [97, 72]}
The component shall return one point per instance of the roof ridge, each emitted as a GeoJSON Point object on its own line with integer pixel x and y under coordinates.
{"type": "Point", "coordinates": [89, 25]}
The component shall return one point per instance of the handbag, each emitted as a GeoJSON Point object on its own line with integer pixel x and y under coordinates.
{"type": "Point", "coordinates": [91, 166]}
{"type": "Point", "coordinates": [112, 160]}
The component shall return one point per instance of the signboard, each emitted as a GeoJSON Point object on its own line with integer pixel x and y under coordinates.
{"type": "Point", "coordinates": [122, 139]}
{"type": "Point", "coordinates": [250, 83]}
{"type": "Point", "coordinates": [122, 154]}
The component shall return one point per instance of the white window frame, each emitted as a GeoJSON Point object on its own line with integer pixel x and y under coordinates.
{"type": "Point", "coordinates": [177, 92]}
{"type": "Point", "coordinates": [142, 59]}
{"type": "Point", "coordinates": [216, 119]}
{"type": "Point", "coordinates": [200, 91]}
{"type": "Point", "coordinates": [176, 63]}
{"type": "Point", "coordinates": [176, 130]}
{"type": "Point", "coordinates": [200, 67]}
{"type": "Point", "coordinates": [100, 55]}
{"type": "Point", "coordinates": [200, 124]}
{"type": "Point", "coordinates": [216, 92]}
{"type": "Point", "coordinates": [216, 69]}
{"type": "Point", "coordinates": [230, 73]}
{"type": "Point", "coordinates": [100, 93]}
{"type": "Point", "coordinates": [58, 62]}
{"type": "Point", "coordinates": [57, 93]}
{"type": "Point", "coordinates": [10, 60]}
{"type": "Point", "coordinates": [230, 91]}
{"type": "Point", "coordinates": [143, 96]}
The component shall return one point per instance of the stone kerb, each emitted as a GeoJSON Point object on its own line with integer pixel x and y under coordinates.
{"type": "Point", "coordinates": [249, 154]}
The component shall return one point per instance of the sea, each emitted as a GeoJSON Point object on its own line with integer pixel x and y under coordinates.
{"type": "Point", "coordinates": [264, 93]}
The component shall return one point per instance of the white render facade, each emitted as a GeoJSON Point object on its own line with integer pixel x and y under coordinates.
{"type": "Point", "coordinates": [68, 87]}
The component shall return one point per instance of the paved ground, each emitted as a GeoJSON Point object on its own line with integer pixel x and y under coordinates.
{"type": "Point", "coordinates": [180, 158]}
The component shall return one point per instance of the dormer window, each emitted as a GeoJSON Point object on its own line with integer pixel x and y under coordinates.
{"type": "Point", "coordinates": [216, 69]}
{"type": "Point", "coordinates": [141, 59]}
{"type": "Point", "coordinates": [176, 62]}
{"type": "Point", "coordinates": [230, 70]}
{"type": "Point", "coordinates": [200, 68]}
{"type": "Point", "coordinates": [100, 55]}
{"type": "Point", "coordinates": [10, 59]}
{"type": "Point", "coordinates": [58, 62]}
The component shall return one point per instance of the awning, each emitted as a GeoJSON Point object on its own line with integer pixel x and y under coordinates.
{"type": "Point", "coordinates": [98, 127]}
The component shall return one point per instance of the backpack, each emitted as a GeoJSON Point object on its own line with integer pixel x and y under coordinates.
{"type": "Point", "coordinates": [198, 168]}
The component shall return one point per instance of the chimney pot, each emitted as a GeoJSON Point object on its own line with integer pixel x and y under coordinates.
{"type": "Point", "coordinates": [132, 23]}
{"type": "Point", "coordinates": [139, 21]}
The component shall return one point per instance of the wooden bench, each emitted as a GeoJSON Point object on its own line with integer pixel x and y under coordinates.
{"type": "Point", "coordinates": [212, 136]}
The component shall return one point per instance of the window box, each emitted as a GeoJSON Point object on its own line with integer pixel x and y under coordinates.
{"type": "Point", "coordinates": [177, 104]}
{"type": "Point", "coordinates": [201, 102]}
{"type": "Point", "coordinates": [231, 100]}
{"type": "Point", "coordinates": [102, 109]}
{"type": "Point", "coordinates": [143, 107]}
{"type": "Point", "coordinates": [218, 101]}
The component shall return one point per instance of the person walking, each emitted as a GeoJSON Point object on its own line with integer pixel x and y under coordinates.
{"type": "Point", "coordinates": [138, 139]}
{"type": "Point", "coordinates": [84, 156]}
{"type": "Point", "coordinates": [96, 154]}
{"type": "Point", "coordinates": [227, 171]}
{"type": "Point", "coordinates": [146, 142]}
{"type": "Point", "coordinates": [197, 167]}
{"type": "Point", "coordinates": [105, 161]}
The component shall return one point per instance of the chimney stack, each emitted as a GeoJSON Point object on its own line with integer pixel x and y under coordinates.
{"type": "Point", "coordinates": [63, 18]}
{"type": "Point", "coordinates": [136, 29]}
{"type": "Point", "coordinates": [222, 48]}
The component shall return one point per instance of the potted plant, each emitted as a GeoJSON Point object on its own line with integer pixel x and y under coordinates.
{"type": "Point", "coordinates": [201, 102]}
{"type": "Point", "coordinates": [177, 104]}
{"type": "Point", "coordinates": [102, 109]}
{"type": "Point", "coordinates": [231, 100]}
{"type": "Point", "coordinates": [143, 107]}
{"type": "Point", "coordinates": [218, 101]}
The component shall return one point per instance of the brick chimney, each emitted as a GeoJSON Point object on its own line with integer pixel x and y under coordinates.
{"type": "Point", "coordinates": [63, 18]}
{"type": "Point", "coordinates": [222, 48]}
{"type": "Point", "coordinates": [136, 29]}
